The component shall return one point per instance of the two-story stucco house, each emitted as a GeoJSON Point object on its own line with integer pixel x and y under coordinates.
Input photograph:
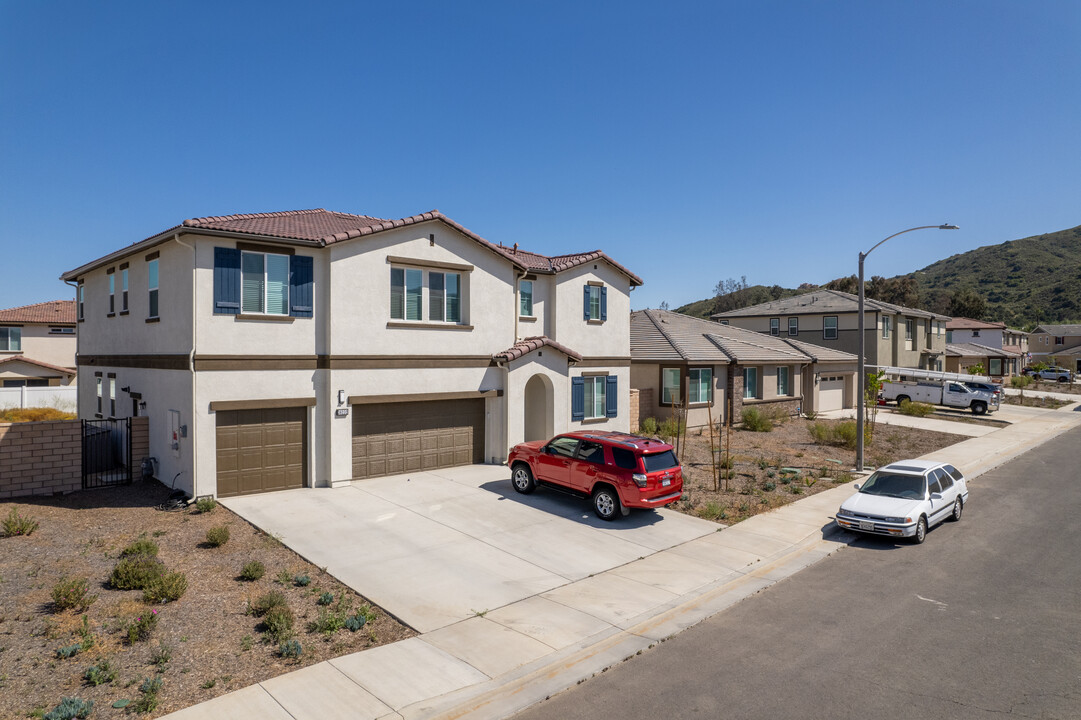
{"type": "Point", "coordinates": [893, 335]}
{"type": "Point", "coordinates": [311, 348]}
{"type": "Point", "coordinates": [1058, 345]}
{"type": "Point", "coordinates": [37, 345]}
{"type": "Point", "coordinates": [999, 349]}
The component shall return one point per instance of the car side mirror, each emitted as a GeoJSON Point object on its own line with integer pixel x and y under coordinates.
{"type": "Point", "coordinates": [856, 485]}
{"type": "Point", "coordinates": [936, 496]}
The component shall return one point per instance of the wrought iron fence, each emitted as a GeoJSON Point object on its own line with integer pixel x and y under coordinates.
{"type": "Point", "coordinates": [106, 452]}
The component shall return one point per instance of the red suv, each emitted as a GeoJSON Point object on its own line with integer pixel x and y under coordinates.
{"type": "Point", "coordinates": [616, 470]}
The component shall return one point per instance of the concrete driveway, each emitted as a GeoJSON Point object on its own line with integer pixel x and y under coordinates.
{"type": "Point", "coordinates": [434, 548]}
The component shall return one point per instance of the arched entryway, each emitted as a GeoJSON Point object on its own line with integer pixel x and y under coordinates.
{"type": "Point", "coordinates": [539, 424]}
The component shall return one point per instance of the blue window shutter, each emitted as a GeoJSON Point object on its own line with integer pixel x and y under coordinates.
{"type": "Point", "coordinates": [578, 398]}
{"type": "Point", "coordinates": [300, 286]}
{"type": "Point", "coordinates": [586, 305]}
{"type": "Point", "coordinates": [604, 303]}
{"type": "Point", "coordinates": [226, 281]}
{"type": "Point", "coordinates": [611, 396]}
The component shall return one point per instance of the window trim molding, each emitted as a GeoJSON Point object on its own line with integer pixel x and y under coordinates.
{"type": "Point", "coordinates": [435, 264]}
{"type": "Point", "coordinates": [836, 328]}
{"type": "Point", "coordinates": [775, 331]}
{"type": "Point", "coordinates": [795, 320]}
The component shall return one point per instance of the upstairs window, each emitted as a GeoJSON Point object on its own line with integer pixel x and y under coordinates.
{"type": "Point", "coordinates": [112, 292]}
{"type": "Point", "coordinates": [152, 288]}
{"type": "Point", "coordinates": [775, 326]}
{"type": "Point", "coordinates": [886, 328]}
{"type": "Point", "coordinates": [124, 290]}
{"type": "Point", "coordinates": [949, 336]}
{"type": "Point", "coordinates": [525, 298]}
{"type": "Point", "coordinates": [595, 303]}
{"type": "Point", "coordinates": [11, 339]}
{"type": "Point", "coordinates": [975, 333]}
{"type": "Point", "coordinates": [444, 297]}
{"type": "Point", "coordinates": [1060, 339]}
{"type": "Point", "coordinates": [264, 283]}
{"type": "Point", "coordinates": [700, 381]}
{"type": "Point", "coordinates": [909, 327]}
{"type": "Point", "coordinates": [829, 328]}
{"type": "Point", "coordinates": [793, 326]}
{"type": "Point", "coordinates": [405, 293]}
{"type": "Point", "coordinates": [82, 301]}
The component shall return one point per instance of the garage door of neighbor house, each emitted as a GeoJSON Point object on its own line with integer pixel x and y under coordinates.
{"type": "Point", "coordinates": [261, 450]}
{"type": "Point", "coordinates": [831, 393]}
{"type": "Point", "coordinates": [392, 438]}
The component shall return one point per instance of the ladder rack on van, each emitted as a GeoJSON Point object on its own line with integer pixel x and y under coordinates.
{"type": "Point", "coordinates": [903, 373]}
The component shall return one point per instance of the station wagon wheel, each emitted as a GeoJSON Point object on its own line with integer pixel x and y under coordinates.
{"type": "Point", "coordinates": [921, 531]}
{"type": "Point", "coordinates": [606, 503]}
{"type": "Point", "coordinates": [522, 479]}
{"type": "Point", "coordinates": [957, 508]}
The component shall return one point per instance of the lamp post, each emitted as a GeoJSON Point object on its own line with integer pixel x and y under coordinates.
{"type": "Point", "coordinates": [861, 382]}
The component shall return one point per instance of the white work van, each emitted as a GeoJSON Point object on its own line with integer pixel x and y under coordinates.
{"type": "Point", "coordinates": [937, 388]}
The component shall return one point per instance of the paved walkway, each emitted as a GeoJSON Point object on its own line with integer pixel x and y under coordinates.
{"type": "Point", "coordinates": [519, 654]}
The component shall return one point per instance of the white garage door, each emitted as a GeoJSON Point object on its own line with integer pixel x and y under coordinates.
{"type": "Point", "coordinates": [831, 393]}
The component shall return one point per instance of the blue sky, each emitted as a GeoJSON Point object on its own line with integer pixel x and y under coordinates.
{"type": "Point", "coordinates": [690, 141]}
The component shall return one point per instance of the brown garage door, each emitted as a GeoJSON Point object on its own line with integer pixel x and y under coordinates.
{"type": "Point", "coordinates": [392, 438]}
{"type": "Point", "coordinates": [261, 450]}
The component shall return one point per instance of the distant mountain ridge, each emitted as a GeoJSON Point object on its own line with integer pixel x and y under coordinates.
{"type": "Point", "coordinates": [1023, 283]}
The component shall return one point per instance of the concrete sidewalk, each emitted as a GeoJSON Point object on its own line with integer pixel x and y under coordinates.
{"type": "Point", "coordinates": [523, 652]}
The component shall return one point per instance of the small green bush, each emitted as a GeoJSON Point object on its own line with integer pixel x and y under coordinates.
{"type": "Point", "coordinates": [136, 572]}
{"type": "Point", "coordinates": [648, 426]}
{"type": "Point", "coordinates": [329, 621]}
{"type": "Point", "coordinates": [73, 594]}
{"type": "Point", "coordinates": [142, 546]}
{"type": "Point", "coordinates": [712, 511]}
{"type": "Point", "coordinates": [325, 599]}
{"type": "Point", "coordinates": [170, 587]}
{"type": "Point", "coordinates": [16, 524]}
{"type": "Point", "coordinates": [100, 674]}
{"type": "Point", "coordinates": [69, 709]}
{"type": "Point", "coordinates": [263, 604]}
{"type": "Point", "coordinates": [161, 657]}
{"type": "Point", "coordinates": [68, 652]}
{"type": "Point", "coordinates": [355, 622]}
{"type": "Point", "coordinates": [217, 536]}
{"type": "Point", "coordinates": [205, 504]}
{"type": "Point", "coordinates": [290, 648]}
{"type": "Point", "coordinates": [840, 434]}
{"type": "Point", "coordinates": [915, 409]}
{"type": "Point", "coordinates": [669, 428]}
{"type": "Point", "coordinates": [141, 627]}
{"type": "Point", "coordinates": [769, 487]}
{"type": "Point", "coordinates": [278, 622]}
{"type": "Point", "coordinates": [756, 421]}
{"type": "Point", "coordinates": [252, 571]}
{"type": "Point", "coordinates": [302, 580]}
{"type": "Point", "coordinates": [148, 701]}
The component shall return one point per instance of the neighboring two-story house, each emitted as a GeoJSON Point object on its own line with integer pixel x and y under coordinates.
{"type": "Point", "coordinates": [311, 348]}
{"type": "Point", "coordinates": [998, 349]}
{"type": "Point", "coordinates": [37, 345]}
{"type": "Point", "coordinates": [893, 335]}
{"type": "Point", "coordinates": [1058, 345]}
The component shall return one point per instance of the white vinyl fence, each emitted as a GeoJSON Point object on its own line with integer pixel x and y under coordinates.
{"type": "Point", "coordinates": [61, 397]}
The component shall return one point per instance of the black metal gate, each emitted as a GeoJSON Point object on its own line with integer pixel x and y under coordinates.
{"type": "Point", "coordinates": [106, 452]}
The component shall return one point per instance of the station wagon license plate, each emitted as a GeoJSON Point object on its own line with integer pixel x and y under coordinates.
{"type": "Point", "coordinates": [869, 526]}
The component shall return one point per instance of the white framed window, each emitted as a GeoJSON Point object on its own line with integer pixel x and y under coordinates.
{"type": "Point", "coordinates": [112, 293]}
{"type": "Point", "coordinates": [829, 327]}
{"type": "Point", "coordinates": [264, 283]}
{"type": "Point", "coordinates": [910, 326]}
{"type": "Point", "coordinates": [994, 366]}
{"type": "Point", "coordinates": [670, 391]}
{"type": "Point", "coordinates": [775, 326]}
{"type": "Point", "coordinates": [444, 297]}
{"type": "Point", "coordinates": [700, 381]}
{"type": "Point", "coordinates": [594, 302]}
{"type": "Point", "coordinates": [885, 327]}
{"type": "Point", "coordinates": [82, 301]}
{"type": "Point", "coordinates": [594, 397]}
{"type": "Point", "coordinates": [124, 290]}
{"type": "Point", "coordinates": [405, 293]}
{"type": "Point", "coordinates": [793, 326]}
{"type": "Point", "coordinates": [152, 288]}
{"type": "Point", "coordinates": [784, 381]}
{"type": "Point", "coordinates": [61, 331]}
{"type": "Point", "coordinates": [525, 298]}
{"type": "Point", "coordinates": [407, 286]}
{"type": "Point", "coordinates": [11, 339]}
{"type": "Point", "coordinates": [750, 383]}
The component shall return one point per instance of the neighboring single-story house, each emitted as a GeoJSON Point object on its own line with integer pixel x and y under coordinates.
{"type": "Point", "coordinates": [995, 335]}
{"type": "Point", "coordinates": [37, 344]}
{"type": "Point", "coordinates": [893, 335]}
{"type": "Point", "coordinates": [313, 348]}
{"type": "Point", "coordinates": [722, 369]}
{"type": "Point", "coordinates": [962, 356]}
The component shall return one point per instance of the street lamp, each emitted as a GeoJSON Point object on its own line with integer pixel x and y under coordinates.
{"type": "Point", "coordinates": [861, 382]}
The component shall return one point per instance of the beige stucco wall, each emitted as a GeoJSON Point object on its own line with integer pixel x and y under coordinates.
{"type": "Point", "coordinates": [648, 376]}
{"type": "Point", "coordinates": [39, 344]}
{"type": "Point", "coordinates": [611, 338]}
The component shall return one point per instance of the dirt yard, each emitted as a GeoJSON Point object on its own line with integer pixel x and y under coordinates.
{"type": "Point", "coordinates": [762, 475]}
{"type": "Point", "coordinates": [205, 644]}
{"type": "Point", "coordinates": [1030, 401]}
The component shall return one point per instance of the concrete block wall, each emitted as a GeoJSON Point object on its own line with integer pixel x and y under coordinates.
{"type": "Point", "coordinates": [45, 458]}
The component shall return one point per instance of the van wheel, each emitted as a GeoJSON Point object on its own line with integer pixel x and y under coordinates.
{"type": "Point", "coordinates": [979, 408]}
{"type": "Point", "coordinates": [606, 503]}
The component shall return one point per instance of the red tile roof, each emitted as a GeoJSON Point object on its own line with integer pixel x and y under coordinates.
{"type": "Point", "coordinates": [961, 323]}
{"type": "Point", "coordinates": [325, 227]}
{"type": "Point", "coordinates": [39, 363]}
{"type": "Point", "coordinates": [55, 312]}
{"type": "Point", "coordinates": [527, 345]}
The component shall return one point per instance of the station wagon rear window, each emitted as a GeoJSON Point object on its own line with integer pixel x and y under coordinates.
{"type": "Point", "coordinates": [660, 461]}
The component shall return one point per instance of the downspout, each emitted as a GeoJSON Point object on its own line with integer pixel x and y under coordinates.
{"type": "Point", "coordinates": [78, 336]}
{"type": "Point", "coordinates": [191, 363]}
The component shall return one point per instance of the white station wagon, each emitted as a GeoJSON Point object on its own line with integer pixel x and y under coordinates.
{"type": "Point", "coordinates": [905, 498]}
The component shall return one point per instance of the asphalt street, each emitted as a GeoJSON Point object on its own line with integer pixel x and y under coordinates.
{"type": "Point", "coordinates": [983, 620]}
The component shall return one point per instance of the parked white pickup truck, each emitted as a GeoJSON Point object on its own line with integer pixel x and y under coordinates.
{"type": "Point", "coordinates": [937, 388]}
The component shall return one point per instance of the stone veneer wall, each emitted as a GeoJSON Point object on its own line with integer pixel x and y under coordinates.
{"type": "Point", "coordinates": [640, 398]}
{"type": "Point", "coordinates": [46, 458]}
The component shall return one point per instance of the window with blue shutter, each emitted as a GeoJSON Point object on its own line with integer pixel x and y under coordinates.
{"type": "Point", "coordinates": [578, 398]}
{"type": "Point", "coordinates": [226, 281]}
{"type": "Point", "coordinates": [604, 304]}
{"type": "Point", "coordinates": [300, 286]}
{"type": "Point", "coordinates": [611, 396]}
{"type": "Point", "coordinates": [586, 304]}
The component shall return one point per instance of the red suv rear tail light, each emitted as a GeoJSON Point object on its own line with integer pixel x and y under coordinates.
{"type": "Point", "coordinates": [639, 479]}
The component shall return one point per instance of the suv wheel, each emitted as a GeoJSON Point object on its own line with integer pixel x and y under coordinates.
{"type": "Point", "coordinates": [522, 479]}
{"type": "Point", "coordinates": [606, 503]}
